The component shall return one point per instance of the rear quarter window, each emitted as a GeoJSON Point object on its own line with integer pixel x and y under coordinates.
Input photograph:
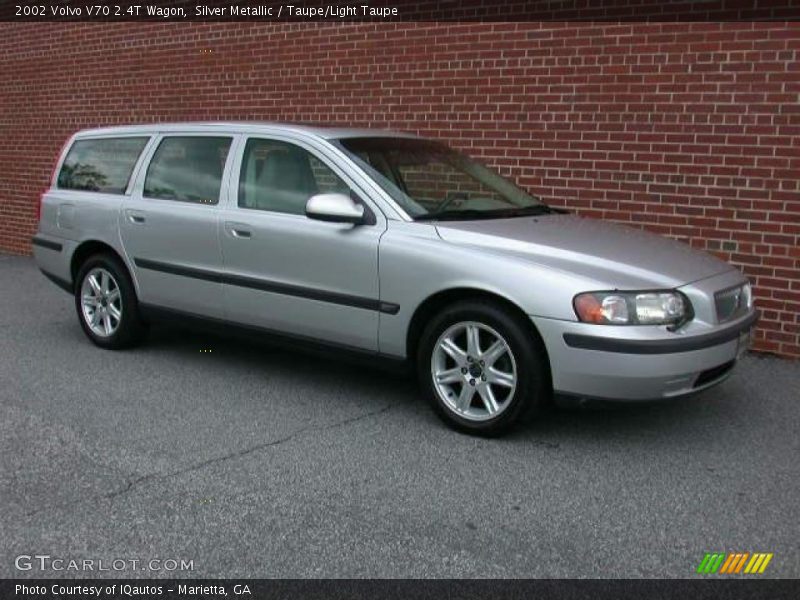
{"type": "Point", "coordinates": [100, 165]}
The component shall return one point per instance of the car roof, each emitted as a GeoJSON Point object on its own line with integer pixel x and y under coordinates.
{"type": "Point", "coordinates": [324, 132]}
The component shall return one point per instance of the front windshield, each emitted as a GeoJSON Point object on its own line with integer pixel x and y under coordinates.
{"type": "Point", "coordinates": [431, 181]}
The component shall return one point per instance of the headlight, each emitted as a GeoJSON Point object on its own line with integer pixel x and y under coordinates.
{"type": "Point", "coordinates": [632, 308]}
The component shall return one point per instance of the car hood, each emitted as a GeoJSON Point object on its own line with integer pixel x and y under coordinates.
{"type": "Point", "coordinates": [614, 255]}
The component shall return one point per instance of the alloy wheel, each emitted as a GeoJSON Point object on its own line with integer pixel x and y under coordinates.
{"type": "Point", "coordinates": [101, 302]}
{"type": "Point", "coordinates": [474, 371]}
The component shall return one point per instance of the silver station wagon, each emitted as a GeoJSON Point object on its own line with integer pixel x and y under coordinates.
{"type": "Point", "coordinates": [387, 245]}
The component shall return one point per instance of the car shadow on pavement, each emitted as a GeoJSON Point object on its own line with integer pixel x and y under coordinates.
{"type": "Point", "coordinates": [638, 423]}
{"type": "Point", "coordinates": [556, 423]}
{"type": "Point", "coordinates": [288, 358]}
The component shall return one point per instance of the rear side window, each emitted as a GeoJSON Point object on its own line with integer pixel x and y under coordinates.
{"type": "Point", "coordinates": [101, 165]}
{"type": "Point", "coordinates": [187, 169]}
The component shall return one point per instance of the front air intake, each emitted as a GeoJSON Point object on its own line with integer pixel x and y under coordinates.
{"type": "Point", "coordinates": [710, 375]}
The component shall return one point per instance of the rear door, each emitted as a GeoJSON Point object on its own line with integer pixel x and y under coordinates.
{"type": "Point", "coordinates": [169, 224]}
{"type": "Point", "coordinates": [289, 273]}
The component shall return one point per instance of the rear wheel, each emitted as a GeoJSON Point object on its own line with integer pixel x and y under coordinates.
{"type": "Point", "coordinates": [482, 367]}
{"type": "Point", "coordinates": [106, 303]}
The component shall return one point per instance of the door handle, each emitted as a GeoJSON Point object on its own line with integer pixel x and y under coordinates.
{"type": "Point", "coordinates": [239, 231]}
{"type": "Point", "coordinates": [135, 217]}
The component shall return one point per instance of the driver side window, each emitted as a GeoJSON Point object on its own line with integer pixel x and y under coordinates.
{"type": "Point", "coordinates": [281, 177]}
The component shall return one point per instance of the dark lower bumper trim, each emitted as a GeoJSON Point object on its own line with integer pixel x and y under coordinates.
{"type": "Point", "coordinates": [43, 243]}
{"type": "Point", "coordinates": [671, 346]}
{"type": "Point", "coordinates": [270, 286]}
{"type": "Point", "coordinates": [62, 283]}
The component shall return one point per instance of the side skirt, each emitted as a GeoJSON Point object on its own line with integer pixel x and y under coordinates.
{"type": "Point", "coordinates": [63, 284]}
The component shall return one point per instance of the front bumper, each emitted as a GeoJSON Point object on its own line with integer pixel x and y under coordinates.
{"type": "Point", "coordinates": [640, 363]}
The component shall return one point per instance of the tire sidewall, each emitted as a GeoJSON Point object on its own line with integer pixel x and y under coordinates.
{"type": "Point", "coordinates": [531, 376]}
{"type": "Point", "coordinates": [130, 326]}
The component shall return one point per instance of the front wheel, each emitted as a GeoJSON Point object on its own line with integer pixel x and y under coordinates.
{"type": "Point", "coordinates": [106, 303]}
{"type": "Point", "coordinates": [482, 367]}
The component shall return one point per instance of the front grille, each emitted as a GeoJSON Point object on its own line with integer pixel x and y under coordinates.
{"type": "Point", "coordinates": [710, 375]}
{"type": "Point", "coordinates": [732, 303]}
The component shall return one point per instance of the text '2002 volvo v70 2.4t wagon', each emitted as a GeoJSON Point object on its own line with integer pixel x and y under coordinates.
{"type": "Point", "coordinates": [387, 244]}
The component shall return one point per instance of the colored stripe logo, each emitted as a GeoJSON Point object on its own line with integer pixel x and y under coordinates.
{"type": "Point", "coordinates": [733, 563]}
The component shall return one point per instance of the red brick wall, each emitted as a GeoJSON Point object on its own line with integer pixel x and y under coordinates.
{"type": "Point", "coordinates": [691, 130]}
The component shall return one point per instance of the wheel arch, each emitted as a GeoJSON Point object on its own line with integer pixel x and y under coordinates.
{"type": "Point", "coordinates": [438, 301]}
{"type": "Point", "coordinates": [88, 248]}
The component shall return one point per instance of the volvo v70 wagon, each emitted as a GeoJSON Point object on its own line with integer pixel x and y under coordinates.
{"type": "Point", "coordinates": [390, 245]}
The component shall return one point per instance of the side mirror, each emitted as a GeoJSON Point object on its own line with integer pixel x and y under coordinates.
{"type": "Point", "coordinates": [335, 208]}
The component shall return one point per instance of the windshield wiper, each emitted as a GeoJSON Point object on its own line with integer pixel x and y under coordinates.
{"type": "Point", "coordinates": [499, 213]}
{"type": "Point", "coordinates": [452, 215]}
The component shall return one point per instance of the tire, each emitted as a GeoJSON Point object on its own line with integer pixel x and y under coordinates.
{"type": "Point", "coordinates": [117, 305]}
{"type": "Point", "coordinates": [510, 400]}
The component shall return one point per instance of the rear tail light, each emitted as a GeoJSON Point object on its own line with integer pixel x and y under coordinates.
{"type": "Point", "coordinates": [39, 207]}
{"type": "Point", "coordinates": [51, 182]}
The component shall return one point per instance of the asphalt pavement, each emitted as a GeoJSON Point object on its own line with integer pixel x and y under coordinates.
{"type": "Point", "coordinates": [255, 461]}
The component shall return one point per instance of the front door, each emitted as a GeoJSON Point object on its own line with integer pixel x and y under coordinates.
{"type": "Point", "coordinates": [286, 272]}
